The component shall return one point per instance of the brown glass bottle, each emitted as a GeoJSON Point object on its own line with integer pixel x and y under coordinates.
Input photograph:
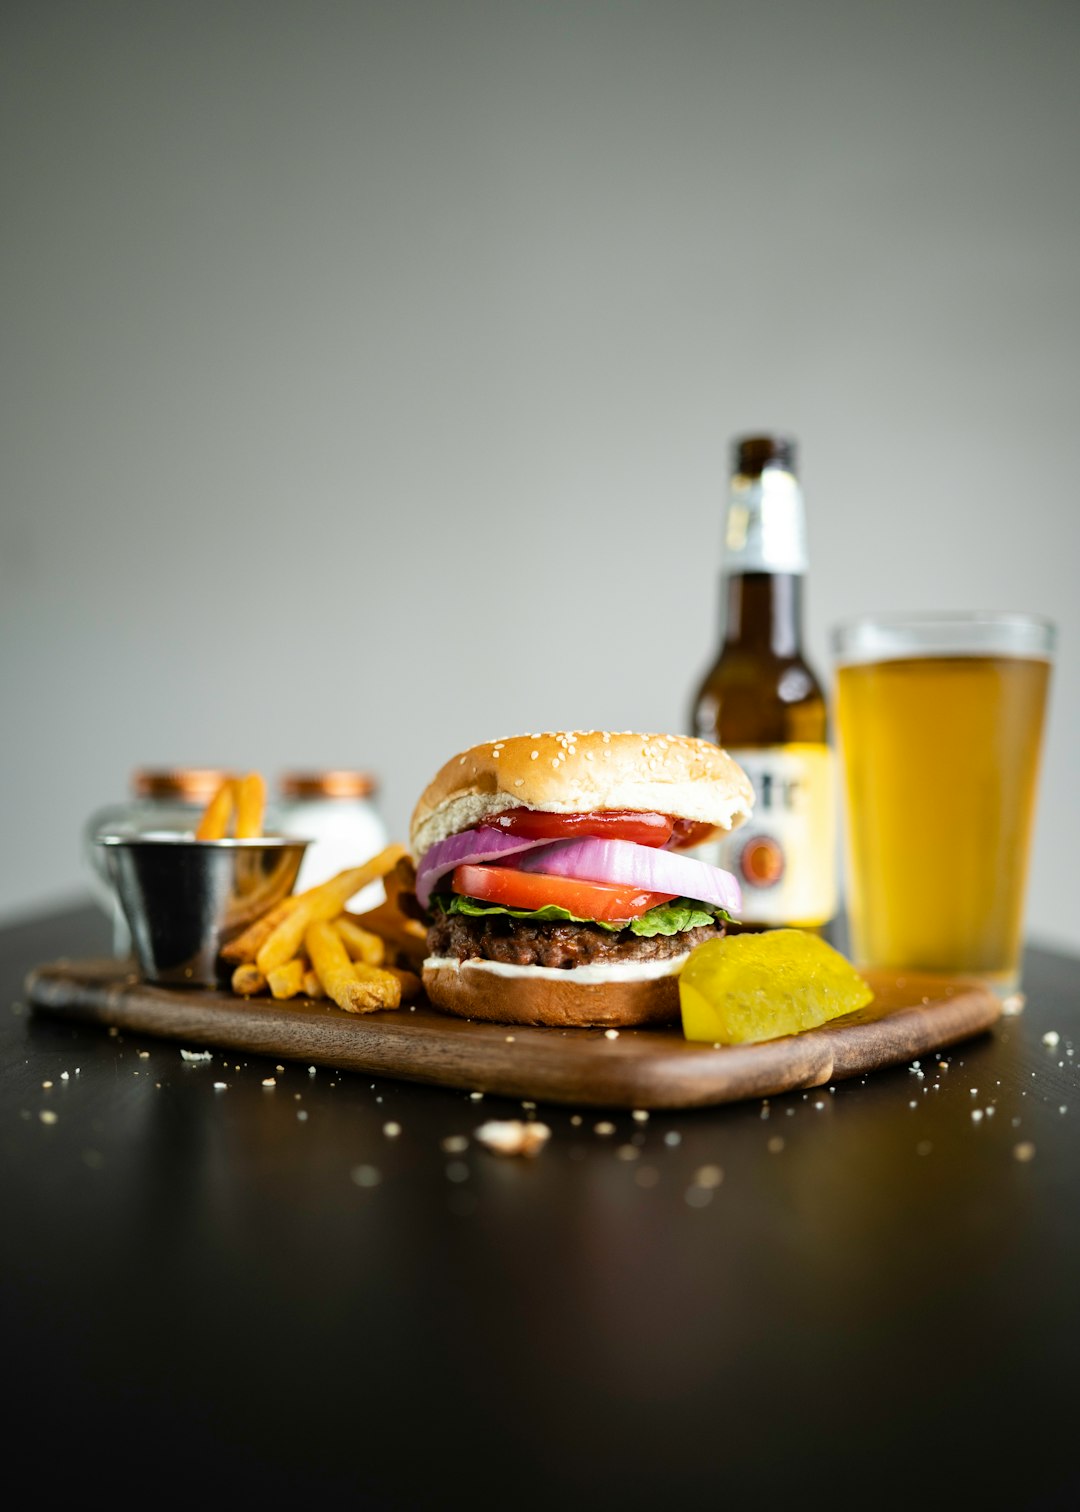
{"type": "Point", "coordinates": [763, 702]}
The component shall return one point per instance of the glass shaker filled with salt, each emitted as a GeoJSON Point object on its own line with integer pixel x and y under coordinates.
{"type": "Point", "coordinates": [336, 811]}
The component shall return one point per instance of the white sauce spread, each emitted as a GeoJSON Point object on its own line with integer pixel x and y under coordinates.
{"type": "Point", "coordinates": [618, 971]}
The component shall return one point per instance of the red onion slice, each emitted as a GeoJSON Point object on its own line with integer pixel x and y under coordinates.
{"type": "Point", "coordinates": [638, 866]}
{"type": "Point", "coordinates": [462, 850]}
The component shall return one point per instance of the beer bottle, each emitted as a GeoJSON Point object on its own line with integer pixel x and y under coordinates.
{"type": "Point", "coordinates": [762, 701]}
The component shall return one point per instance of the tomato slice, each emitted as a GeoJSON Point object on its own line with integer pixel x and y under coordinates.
{"type": "Point", "coordinates": [606, 824]}
{"type": "Point", "coordinates": [588, 900]}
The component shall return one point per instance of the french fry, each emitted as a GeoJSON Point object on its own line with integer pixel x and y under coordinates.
{"type": "Point", "coordinates": [407, 936]}
{"type": "Point", "coordinates": [287, 981]}
{"type": "Point", "coordinates": [361, 944]}
{"type": "Point", "coordinates": [250, 806]}
{"type": "Point", "coordinates": [357, 989]}
{"type": "Point", "coordinates": [246, 946]}
{"type": "Point", "coordinates": [319, 904]}
{"type": "Point", "coordinates": [410, 984]}
{"type": "Point", "coordinates": [313, 988]}
{"type": "Point", "coordinates": [401, 879]}
{"type": "Point", "coordinates": [215, 820]}
{"type": "Point", "coordinates": [383, 981]}
{"type": "Point", "coordinates": [248, 981]}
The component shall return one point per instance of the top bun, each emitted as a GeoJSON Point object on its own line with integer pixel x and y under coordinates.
{"type": "Point", "coordinates": [576, 772]}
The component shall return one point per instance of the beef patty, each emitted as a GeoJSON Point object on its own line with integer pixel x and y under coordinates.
{"type": "Point", "coordinates": [516, 942]}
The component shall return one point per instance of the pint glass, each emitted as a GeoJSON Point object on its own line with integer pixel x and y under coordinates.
{"type": "Point", "coordinates": [940, 724]}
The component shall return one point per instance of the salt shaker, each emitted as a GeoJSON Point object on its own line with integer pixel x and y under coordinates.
{"type": "Point", "coordinates": [336, 811]}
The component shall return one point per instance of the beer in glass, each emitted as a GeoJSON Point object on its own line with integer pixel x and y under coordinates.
{"type": "Point", "coordinates": [940, 725]}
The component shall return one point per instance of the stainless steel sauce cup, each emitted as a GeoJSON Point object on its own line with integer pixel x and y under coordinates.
{"type": "Point", "coordinates": [184, 899]}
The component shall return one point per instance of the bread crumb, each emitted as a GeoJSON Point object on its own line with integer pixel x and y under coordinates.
{"type": "Point", "coordinates": [611, 1034]}
{"type": "Point", "coordinates": [640, 1115]}
{"type": "Point", "coordinates": [511, 1136]}
{"type": "Point", "coordinates": [268, 1081]}
{"type": "Point", "coordinates": [1052, 1039]}
{"type": "Point", "coordinates": [391, 1129]}
{"type": "Point", "coordinates": [1013, 1004]}
{"type": "Point", "coordinates": [603, 1128]}
{"type": "Point", "coordinates": [196, 1055]}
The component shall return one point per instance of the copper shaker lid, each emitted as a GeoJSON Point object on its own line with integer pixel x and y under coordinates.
{"type": "Point", "coordinates": [181, 784]}
{"type": "Point", "coordinates": [330, 784]}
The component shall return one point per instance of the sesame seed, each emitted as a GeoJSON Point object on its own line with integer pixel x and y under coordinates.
{"type": "Point", "coordinates": [611, 1034]}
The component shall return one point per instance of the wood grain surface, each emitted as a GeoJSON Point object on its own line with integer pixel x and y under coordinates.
{"type": "Point", "coordinates": [642, 1068]}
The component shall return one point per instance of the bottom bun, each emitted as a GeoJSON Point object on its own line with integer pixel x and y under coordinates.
{"type": "Point", "coordinates": [582, 997]}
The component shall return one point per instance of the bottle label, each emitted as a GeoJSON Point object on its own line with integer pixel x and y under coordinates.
{"type": "Point", "coordinates": [765, 525]}
{"type": "Point", "coordinates": [784, 856]}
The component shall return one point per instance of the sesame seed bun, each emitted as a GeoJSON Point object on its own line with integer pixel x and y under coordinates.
{"type": "Point", "coordinates": [578, 772]}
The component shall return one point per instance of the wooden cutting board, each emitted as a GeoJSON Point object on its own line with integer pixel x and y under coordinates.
{"type": "Point", "coordinates": [642, 1068]}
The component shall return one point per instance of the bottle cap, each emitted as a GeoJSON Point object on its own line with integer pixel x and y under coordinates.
{"type": "Point", "coordinates": [331, 784]}
{"type": "Point", "coordinates": [751, 455]}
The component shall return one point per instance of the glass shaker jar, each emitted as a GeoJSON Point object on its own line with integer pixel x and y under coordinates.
{"type": "Point", "coordinates": [336, 811]}
{"type": "Point", "coordinates": [170, 799]}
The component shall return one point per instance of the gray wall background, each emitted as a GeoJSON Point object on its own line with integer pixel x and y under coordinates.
{"type": "Point", "coordinates": [370, 369]}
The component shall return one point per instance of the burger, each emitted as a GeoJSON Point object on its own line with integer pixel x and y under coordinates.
{"type": "Point", "coordinates": [553, 873]}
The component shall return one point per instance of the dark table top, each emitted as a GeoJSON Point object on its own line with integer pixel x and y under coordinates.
{"type": "Point", "coordinates": [864, 1295]}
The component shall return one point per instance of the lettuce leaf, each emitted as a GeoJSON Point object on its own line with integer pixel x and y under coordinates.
{"type": "Point", "coordinates": [666, 919]}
